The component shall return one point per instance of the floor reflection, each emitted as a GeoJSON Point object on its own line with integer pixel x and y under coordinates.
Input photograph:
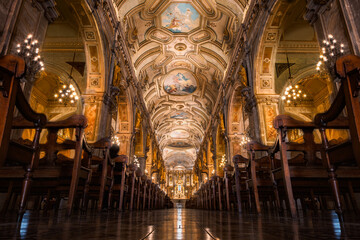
{"type": "Point", "coordinates": [179, 223]}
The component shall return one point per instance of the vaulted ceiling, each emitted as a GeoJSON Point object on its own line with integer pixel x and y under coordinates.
{"type": "Point", "coordinates": [180, 51]}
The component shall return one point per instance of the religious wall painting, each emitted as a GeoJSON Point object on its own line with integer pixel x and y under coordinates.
{"type": "Point", "coordinates": [123, 112]}
{"type": "Point", "coordinates": [179, 134]}
{"type": "Point", "coordinates": [180, 18]}
{"type": "Point", "coordinates": [180, 82]}
{"type": "Point", "coordinates": [180, 115]}
{"type": "Point", "coordinates": [90, 113]}
{"type": "Point", "coordinates": [269, 116]}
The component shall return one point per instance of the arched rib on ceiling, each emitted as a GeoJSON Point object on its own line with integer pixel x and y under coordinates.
{"type": "Point", "coordinates": [180, 52]}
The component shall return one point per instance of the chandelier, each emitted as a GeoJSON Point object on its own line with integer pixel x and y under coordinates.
{"type": "Point", "coordinates": [29, 51]}
{"type": "Point", "coordinates": [136, 161]}
{"type": "Point", "coordinates": [244, 139]}
{"type": "Point", "coordinates": [67, 92]}
{"type": "Point", "coordinates": [293, 93]}
{"type": "Point", "coordinates": [223, 161]}
{"type": "Point", "coordinates": [331, 50]}
{"type": "Point", "coordinates": [115, 140]}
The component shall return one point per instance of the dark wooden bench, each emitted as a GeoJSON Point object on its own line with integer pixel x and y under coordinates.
{"type": "Point", "coordinates": [242, 175]}
{"type": "Point", "coordinates": [25, 156]}
{"type": "Point", "coordinates": [60, 174]}
{"type": "Point", "coordinates": [342, 161]}
{"type": "Point", "coordinates": [261, 180]}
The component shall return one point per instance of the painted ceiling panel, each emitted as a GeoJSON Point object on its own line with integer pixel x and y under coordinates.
{"type": "Point", "coordinates": [180, 50]}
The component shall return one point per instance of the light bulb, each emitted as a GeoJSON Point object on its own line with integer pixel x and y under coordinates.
{"type": "Point", "coordinates": [30, 36]}
{"type": "Point", "coordinates": [64, 86]}
{"type": "Point", "coordinates": [55, 95]}
{"type": "Point", "coordinates": [60, 100]}
{"type": "Point", "coordinates": [330, 36]}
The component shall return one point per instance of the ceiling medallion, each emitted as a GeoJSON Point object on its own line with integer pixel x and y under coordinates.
{"type": "Point", "coordinates": [180, 46]}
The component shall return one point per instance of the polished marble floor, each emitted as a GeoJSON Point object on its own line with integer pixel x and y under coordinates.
{"type": "Point", "coordinates": [178, 223]}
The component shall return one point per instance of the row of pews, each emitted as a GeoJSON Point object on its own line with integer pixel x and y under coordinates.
{"type": "Point", "coordinates": [312, 171]}
{"type": "Point", "coordinates": [49, 168]}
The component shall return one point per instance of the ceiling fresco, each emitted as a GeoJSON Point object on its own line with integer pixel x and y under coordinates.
{"type": "Point", "coordinates": [180, 51]}
{"type": "Point", "coordinates": [180, 82]}
{"type": "Point", "coordinates": [180, 18]}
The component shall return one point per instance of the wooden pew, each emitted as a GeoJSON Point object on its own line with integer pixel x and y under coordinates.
{"type": "Point", "coordinates": [261, 181]}
{"type": "Point", "coordinates": [28, 156]}
{"type": "Point", "coordinates": [139, 194]}
{"type": "Point", "coordinates": [305, 172]}
{"type": "Point", "coordinates": [342, 161]}
{"type": "Point", "coordinates": [241, 181]}
{"type": "Point", "coordinates": [230, 188]}
{"type": "Point", "coordinates": [102, 173]}
{"type": "Point", "coordinates": [11, 69]}
{"type": "Point", "coordinates": [118, 184]}
{"type": "Point", "coordinates": [63, 173]}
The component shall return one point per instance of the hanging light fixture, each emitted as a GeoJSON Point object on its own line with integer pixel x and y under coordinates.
{"type": "Point", "coordinates": [223, 161]}
{"type": "Point", "coordinates": [244, 139]}
{"type": "Point", "coordinates": [293, 93]}
{"type": "Point", "coordinates": [331, 50]}
{"type": "Point", "coordinates": [67, 93]}
{"type": "Point", "coordinates": [29, 51]}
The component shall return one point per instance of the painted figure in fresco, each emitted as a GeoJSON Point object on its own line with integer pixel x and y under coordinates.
{"type": "Point", "coordinates": [180, 84]}
{"type": "Point", "coordinates": [180, 17]}
{"type": "Point", "coordinates": [180, 115]}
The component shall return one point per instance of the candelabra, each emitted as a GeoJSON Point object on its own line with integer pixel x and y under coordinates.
{"type": "Point", "coordinates": [331, 50]}
{"type": "Point", "coordinates": [29, 51]}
